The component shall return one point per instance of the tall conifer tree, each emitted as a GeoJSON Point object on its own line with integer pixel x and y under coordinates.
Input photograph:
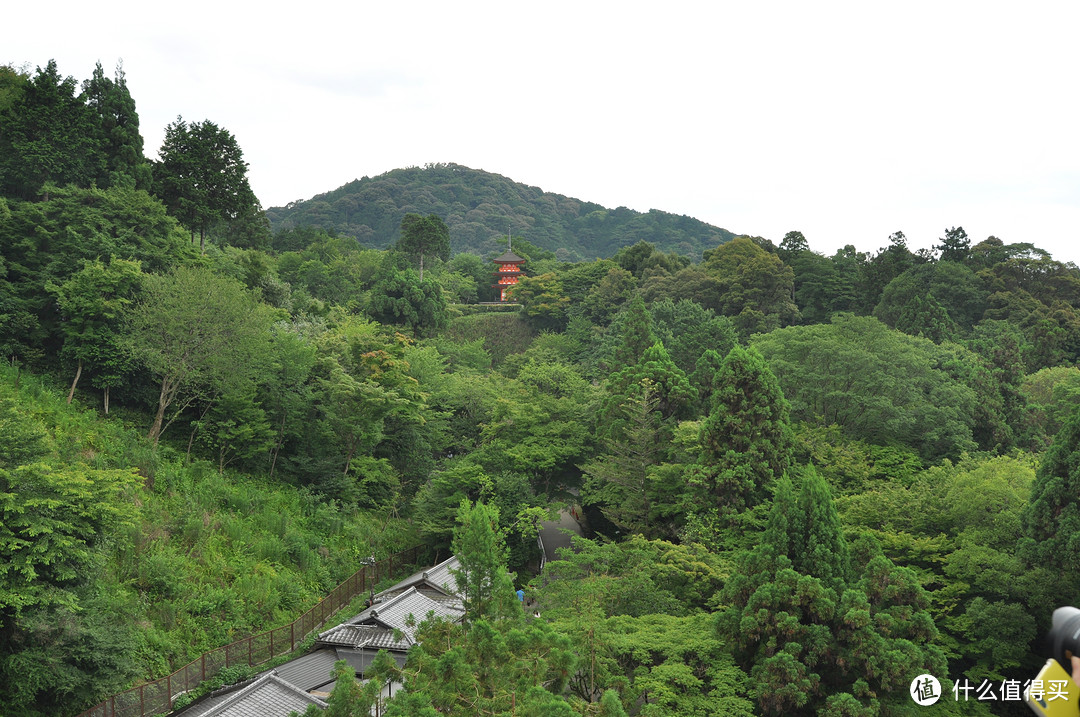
{"type": "Point", "coordinates": [746, 438]}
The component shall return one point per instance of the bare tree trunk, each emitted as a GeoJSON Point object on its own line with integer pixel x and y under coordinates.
{"type": "Point", "coordinates": [78, 373]}
{"type": "Point", "coordinates": [106, 400]}
{"type": "Point", "coordinates": [159, 417]}
{"type": "Point", "coordinates": [421, 266]}
{"type": "Point", "coordinates": [277, 444]}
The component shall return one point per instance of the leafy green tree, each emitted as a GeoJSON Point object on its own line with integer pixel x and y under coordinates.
{"type": "Point", "coordinates": [500, 668]}
{"type": "Point", "coordinates": [543, 300]}
{"type": "Point", "coordinates": [620, 478]}
{"type": "Point", "coordinates": [22, 437]}
{"type": "Point", "coordinates": [1054, 395]}
{"type": "Point", "coordinates": [403, 298]}
{"type": "Point", "coordinates": [202, 177]}
{"type": "Point", "coordinates": [52, 520]}
{"type": "Point", "coordinates": [705, 370]}
{"type": "Point", "coordinates": [483, 583]}
{"type": "Point", "coordinates": [673, 393]}
{"type": "Point", "coordinates": [926, 317]}
{"type": "Point", "coordinates": [117, 130]}
{"type": "Point", "coordinates": [879, 385]}
{"type": "Point", "coordinates": [424, 235]}
{"type": "Point", "coordinates": [605, 298]}
{"type": "Point", "coordinates": [880, 269]}
{"type": "Point", "coordinates": [752, 280]}
{"type": "Point", "coordinates": [687, 330]}
{"type": "Point", "coordinates": [746, 438]}
{"type": "Point", "coordinates": [955, 246]}
{"type": "Point", "coordinates": [812, 642]}
{"type": "Point", "coordinates": [954, 287]}
{"type": "Point", "coordinates": [201, 333]}
{"type": "Point", "coordinates": [48, 242]}
{"type": "Point", "coordinates": [92, 303]}
{"type": "Point", "coordinates": [1052, 517]}
{"type": "Point", "coordinates": [635, 332]}
{"type": "Point", "coordinates": [47, 135]}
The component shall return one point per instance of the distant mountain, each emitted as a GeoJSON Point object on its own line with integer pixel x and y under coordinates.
{"type": "Point", "coordinates": [479, 207]}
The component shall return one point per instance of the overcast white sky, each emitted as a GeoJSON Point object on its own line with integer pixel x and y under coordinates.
{"type": "Point", "coordinates": [844, 120]}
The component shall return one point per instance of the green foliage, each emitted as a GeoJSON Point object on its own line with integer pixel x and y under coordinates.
{"type": "Point", "coordinates": [1052, 519]}
{"type": "Point", "coordinates": [202, 179]}
{"type": "Point", "coordinates": [635, 334]}
{"type": "Point", "coordinates": [687, 331]}
{"type": "Point", "coordinates": [483, 584]}
{"type": "Point", "coordinates": [404, 299]}
{"type": "Point", "coordinates": [201, 333]}
{"type": "Point", "coordinates": [500, 668]}
{"type": "Point", "coordinates": [746, 438]}
{"type": "Point", "coordinates": [751, 280]}
{"type": "Point", "coordinates": [543, 300]}
{"type": "Point", "coordinates": [503, 334]}
{"type": "Point", "coordinates": [48, 137]}
{"type": "Point", "coordinates": [117, 130]}
{"type": "Point", "coordinates": [958, 527]}
{"type": "Point", "coordinates": [635, 577]}
{"type": "Point", "coordinates": [673, 394]}
{"type": "Point", "coordinates": [52, 519]}
{"type": "Point", "coordinates": [1054, 395]}
{"type": "Point", "coordinates": [92, 303]}
{"type": "Point", "coordinates": [808, 641]}
{"type": "Point", "coordinates": [622, 479]}
{"type": "Point", "coordinates": [877, 384]}
{"type": "Point", "coordinates": [606, 297]}
{"type": "Point", "coordinates": [424, 235]}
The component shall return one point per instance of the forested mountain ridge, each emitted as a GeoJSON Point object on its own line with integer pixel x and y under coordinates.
{"type": "Point", "coordinates": [479, 207]}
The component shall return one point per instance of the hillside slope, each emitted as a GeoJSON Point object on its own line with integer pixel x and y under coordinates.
{"type": "Point", "coordinates": [479, 207]}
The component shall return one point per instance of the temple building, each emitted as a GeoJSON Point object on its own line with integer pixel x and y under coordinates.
{"type": "Point", "coordinates": [508, 273]}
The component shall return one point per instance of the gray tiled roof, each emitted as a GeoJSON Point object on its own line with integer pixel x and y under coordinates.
{"type": "Point", "coordinates": [374, 637]}
{"type": "Point", "coordinates": [268, 696]}
{"type": "Point", "coordinates": [438, 577]}
{"type": "Point", "coordinates": [393, 614]}
{"type": "Point", "coordinates": [311, 671]}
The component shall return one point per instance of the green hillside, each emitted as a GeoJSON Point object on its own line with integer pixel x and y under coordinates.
{"type": "Point", "coordinates": [479, 207]}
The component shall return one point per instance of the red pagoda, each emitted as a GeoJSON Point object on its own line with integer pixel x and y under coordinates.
{"type": "Point", "coordinates": [508, 273]}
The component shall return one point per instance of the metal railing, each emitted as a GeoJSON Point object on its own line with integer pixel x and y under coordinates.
{"type": "Point", "coordinates": [154, 698]}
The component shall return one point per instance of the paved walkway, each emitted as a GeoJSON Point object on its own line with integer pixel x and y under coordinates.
{"type": "Point", "coordinates": [551, 532]}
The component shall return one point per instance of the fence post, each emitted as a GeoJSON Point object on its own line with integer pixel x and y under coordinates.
{"type": "Point", "coordinates": [168, 689]}
{"type": "Point", "coordinates": [390, 568]}
{"type": "Point", "coordinates": [203, 667]}
{"type": "Point", "coordinates": [142, 701]}
{"type": "Point", "coordinates": [292, 635]}
{"type": "Point", "coordinates": [271, 644]}
{"type": "Point", "coordinates": [249, 652]}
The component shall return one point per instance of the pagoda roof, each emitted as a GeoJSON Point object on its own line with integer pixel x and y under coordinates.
{"type": "Point", "coordinates": [508, 258]}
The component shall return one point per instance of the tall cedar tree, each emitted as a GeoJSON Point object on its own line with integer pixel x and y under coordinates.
{"type": "Point", "coordinates": [482, 581]}
{"type": "Point", "coordinates": [1052, 518]}
{"type": "Point", "coordinates": [202, 177]}
{"type": "Point", "coordinates": [422, 236]}
{"type": "Point", "coordinates": [117, 122]}
{"type": "Point", "coordinates": [47, 135]}
{"type": "Point", "coordinates": [673, 391]}
{"type": "Point", "coordinates": [619, 478]}
{"type": "Point", "coordinates": [813, 641]}
{"type": "Point", "coordinates": [637, 334]}
{"type": "Point", "coordinates": [746, 438]}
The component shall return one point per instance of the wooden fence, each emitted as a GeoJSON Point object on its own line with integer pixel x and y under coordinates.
{"type": "Point", "coordinates": [154, 698]}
